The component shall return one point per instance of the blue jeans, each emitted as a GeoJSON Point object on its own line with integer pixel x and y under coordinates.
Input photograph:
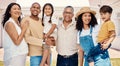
{"type": "Point", "coordinates": [67, 61]}
{"type": "Point", "coordinates": [96, 51]}
{"type": "Point", "coordinates": [35, 60]}
{"type": "Point", "coordinates": [102, 59]}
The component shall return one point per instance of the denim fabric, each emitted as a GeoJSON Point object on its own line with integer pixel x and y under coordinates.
{"type": "Point", "coordinates": [97, 50]}
{"type": "Point", "coordinates": [70, 61]}
{"type": "Point", "coordinates": [35, 60]}
{"type": "Point", "coordinates": [86, 42]}
{"type": "Point", "coordinates": [102, 59]}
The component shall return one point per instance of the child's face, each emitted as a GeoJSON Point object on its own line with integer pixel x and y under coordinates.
{"type": "Point", "coordinates": [105, 16]}
{"type": "Point", "coordinates": [48, 10]}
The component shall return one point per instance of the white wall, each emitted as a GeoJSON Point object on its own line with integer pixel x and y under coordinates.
{"type": "Point", "coordinates": [0, 28]}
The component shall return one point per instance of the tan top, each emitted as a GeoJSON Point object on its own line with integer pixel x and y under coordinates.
{"type": "Point", "coordinates": [34, 36]}
{"type": "Point", "coordinates": [67, 39]}
{"type": "Point", "coordinates": [105, 29]}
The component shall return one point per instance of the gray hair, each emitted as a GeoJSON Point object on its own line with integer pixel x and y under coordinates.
{"type": "Point", "coordinates": [69, 7]}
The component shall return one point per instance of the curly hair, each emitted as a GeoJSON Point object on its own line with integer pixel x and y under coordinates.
{"type": "Point", "coordinates": [79, 24]}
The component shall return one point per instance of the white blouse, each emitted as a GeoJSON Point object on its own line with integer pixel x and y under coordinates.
{"type": "Point", "coordinates": [10, 49]}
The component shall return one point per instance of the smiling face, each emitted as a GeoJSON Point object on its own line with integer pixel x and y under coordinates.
{"type": "Point", "coordinates": [68, 14]}
{"type": "Point", "coordinates": [105, 16]}
{"type": "Point", "coordinates": [15, 11]}
{"type": "Point", "coordinates": [48, 10]}
{"type": "Point", "coordinates": [35, 9]}
{"type": "Point", "coordinates": [86, 17]}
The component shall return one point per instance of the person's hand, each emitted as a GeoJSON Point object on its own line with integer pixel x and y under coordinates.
{"type": "Point", "coordinates": [104, 46]}
{"type": "Point", "coordinates": [46, 65]}
{"type": "Point", "coordinates": [45, 35]}
{"type": "Point", "coordinates": [24, 25]}
{"type": "Point", "coordinates": [42, 64]}
{"type": "Point", "coordinates": [50, 41]}
{"type": "Point", "coordinates": [105, 41]}
{"type": "Point", "coordinates": [52, 38]}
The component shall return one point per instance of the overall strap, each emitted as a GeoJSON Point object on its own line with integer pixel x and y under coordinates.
{"type": "Point", "coordinates": [91, 29]}
{"type": "Point", "coordinates": [80, 32]}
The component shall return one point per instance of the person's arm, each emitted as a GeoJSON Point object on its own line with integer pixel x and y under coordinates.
{"type": "Point", "coordinates": [51, 30]}
{"type": "Point", "coordinates": [81, 55]}
{"type": "Point", "coordinates": [111, 29]}
{"type": "Point", "coordinates": [31, 39]}
{"type": "Point", "coordinates": [80, 51]}
{"type": "Point", "coordinates": [50, 41]}
{"type": "Point", "coordinates": [110, 39]}
{"type": "Point", "coordinates": [12, 32]}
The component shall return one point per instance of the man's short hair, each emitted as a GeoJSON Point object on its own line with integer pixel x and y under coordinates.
{"type": "Point", "coordinates": [35, 3]}
{"type": "Point", "coordinates": [69, 7]}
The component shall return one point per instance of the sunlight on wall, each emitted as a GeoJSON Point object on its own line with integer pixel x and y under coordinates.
{"type": "Point", "coordinates": [56, 3]}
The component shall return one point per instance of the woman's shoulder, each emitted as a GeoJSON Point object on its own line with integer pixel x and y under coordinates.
{"type": "Point", "coordinates": [9, 22]}
{"type": "Point", "coordinates": [96, 28]}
